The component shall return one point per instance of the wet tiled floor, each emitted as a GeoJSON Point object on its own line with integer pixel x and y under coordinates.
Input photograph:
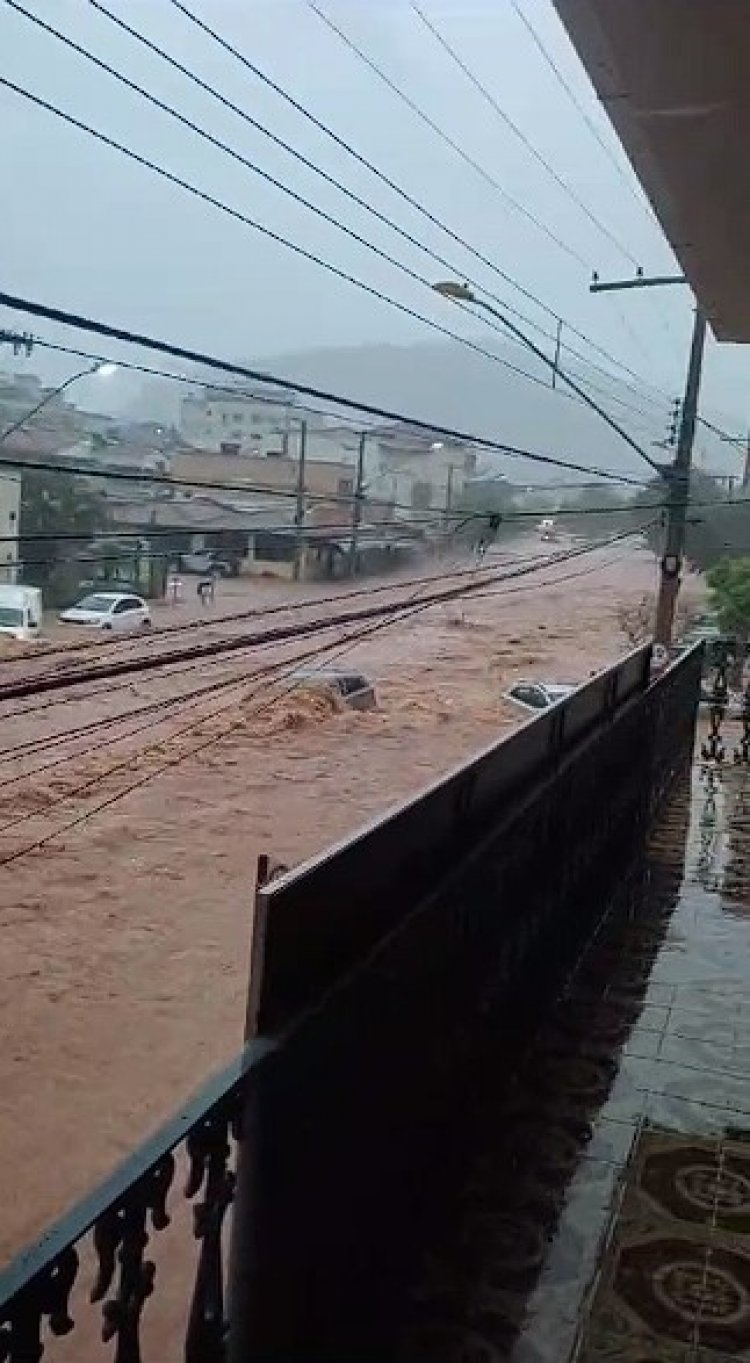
{"type": "Point", "coordinates": [607, 1213]}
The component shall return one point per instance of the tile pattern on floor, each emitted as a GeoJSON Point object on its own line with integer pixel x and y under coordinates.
{"type": "Point", "coordinates": [606, 1215]}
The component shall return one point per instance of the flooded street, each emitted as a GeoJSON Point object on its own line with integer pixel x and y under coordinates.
{"type": "Point", "coordinates": [126, 932]}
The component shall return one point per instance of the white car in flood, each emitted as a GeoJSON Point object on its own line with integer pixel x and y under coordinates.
{"type": "Point", "coordinates": [539, 695]}
{"type": "Point", "coordinates": [109, 611]}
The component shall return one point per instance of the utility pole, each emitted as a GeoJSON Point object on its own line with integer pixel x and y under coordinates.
{"type": "Point", "coordinates": [746, 470]}
{"type": "Point", "coordinates": [357, 504]}
{"type": "Point", "coordinates": [675, 475]}
{"type": "Point", "coordinates": [299, 513]}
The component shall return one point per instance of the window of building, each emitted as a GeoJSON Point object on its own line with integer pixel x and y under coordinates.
{"type": "Point", "coordinates": [229, 447]}
{"type": "Point", "coordinates": [421, 496]}
{"type": "Point", "coordinates": [345, 487]}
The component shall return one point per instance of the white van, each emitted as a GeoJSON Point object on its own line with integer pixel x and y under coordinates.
{"type": "Point", "coordinates": [20, 611]}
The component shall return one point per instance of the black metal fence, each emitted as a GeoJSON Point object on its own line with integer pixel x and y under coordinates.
{"type": "Point", "coordinates": [326, 1144]}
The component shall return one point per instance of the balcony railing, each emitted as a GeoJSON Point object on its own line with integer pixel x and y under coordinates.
{"type": "Point", "coordinates": [322, 1145]}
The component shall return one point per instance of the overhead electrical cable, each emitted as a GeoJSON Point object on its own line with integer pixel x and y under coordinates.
{"type": "Point", "coordinates": [455, 146]}
{"type": "Point", "coordinates": [283, 188]}
{"type": "Point", "coordinates": [522, 136]}
{"type": "Point", "coordinates": [610, 154]}
{"type": "Point", "coordinates": [292, 151]}
{"type": "Point", "coordinates": [231, 391]}
{"type": "Point", "coordinates": [349, 642]}
{"type": "Point", "coordinates": [80, 323]}
{"type": "Point", "coordinates": [345, 146]}
{"type": "Point", "coordinates": [59, 680]}
{"type": "Point", "coordinates": [256, 226]}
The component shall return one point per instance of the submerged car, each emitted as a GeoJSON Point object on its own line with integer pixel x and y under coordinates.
{"type": "Point", "coordinates": [109, 611]}
{"type": "Point", "coordinates": [352, 687]}
{"type": "Point", "coordinates": [539, 695]}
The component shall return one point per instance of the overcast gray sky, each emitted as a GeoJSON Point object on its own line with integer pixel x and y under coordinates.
{"type": "Point", "coordinates": [87, 230]}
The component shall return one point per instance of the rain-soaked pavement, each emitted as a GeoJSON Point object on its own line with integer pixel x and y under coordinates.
{"type": "Point", "coordinates": [606, 1216]}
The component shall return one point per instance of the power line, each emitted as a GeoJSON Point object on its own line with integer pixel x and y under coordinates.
{"type": "Point", "coordinates": [81, 323]}
{"type": "Point", "coordinates": [232, 152]}
{"type": "Point", "coordinates": [292, 151]}
{"type": "Point", "coordinates": [180, 703]}
{"type": "Point", "coordinates": [449, 141]}
{"type": "Point", "coordinates": [397, 189]}
{"type": "Point", "coordinates": [350, 641]}
{"type": "Point", "coordinates": [195, 697]}
{"type": "Point", "coordinates": [454, 291]}
{"type": "Point", "coordinates": [507, 516]}
{"type": "Point", "coordinates": [584, 114]}
{"type": "Point", "coordinates": [59, 680]}
{"type": "Point", "coordinates": [521, 135]}
{"type": "Point", "coordinates": [256, 226]}
{"type": "Point", "coordinates": [241, 159]}
{"type": "Point", "coordinates": [253, 613]}
{"type": "Point", "coordinates": [307, 408]}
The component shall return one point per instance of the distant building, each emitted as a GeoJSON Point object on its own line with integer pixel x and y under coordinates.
{"type": "Point", "coordinates": [419, 471]}
{"type": "Point", "coordinates": [245, 422]}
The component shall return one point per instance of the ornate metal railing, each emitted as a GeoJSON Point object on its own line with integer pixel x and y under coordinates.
{"type": "Point", "coordinates": [120, 1220]}
{"type": "Point", "coordinates": [374, 968]}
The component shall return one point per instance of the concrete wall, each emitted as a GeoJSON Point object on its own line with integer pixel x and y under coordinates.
{"type": "Point", "coordinates": [322, 478]}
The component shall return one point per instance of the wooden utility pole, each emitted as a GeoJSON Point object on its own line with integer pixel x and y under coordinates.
{"type": "Point", "coordinates": [357, 504]}
{"type": "Point", "coordinates": [677, 477]}
{"type": "Point", "coordinates": [299, 513]}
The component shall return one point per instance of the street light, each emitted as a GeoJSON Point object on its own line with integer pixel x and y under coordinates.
{"type": "Point", "coordinates": [104, 369]}
{"type": "Point", "coordinates": [461, 293]}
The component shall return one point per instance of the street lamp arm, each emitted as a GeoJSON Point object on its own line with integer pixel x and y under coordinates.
{"type": "Point", "coordinates": [461, 293]}
{"type": "Point", "coordinates": [53, 393]}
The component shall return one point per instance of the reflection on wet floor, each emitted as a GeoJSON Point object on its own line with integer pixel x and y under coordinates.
{"type": "Point", "coordinates": [606, 1215]}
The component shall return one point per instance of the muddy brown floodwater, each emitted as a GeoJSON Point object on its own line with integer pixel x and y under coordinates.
{"type": "Point", "coordinates": [126, 936]}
